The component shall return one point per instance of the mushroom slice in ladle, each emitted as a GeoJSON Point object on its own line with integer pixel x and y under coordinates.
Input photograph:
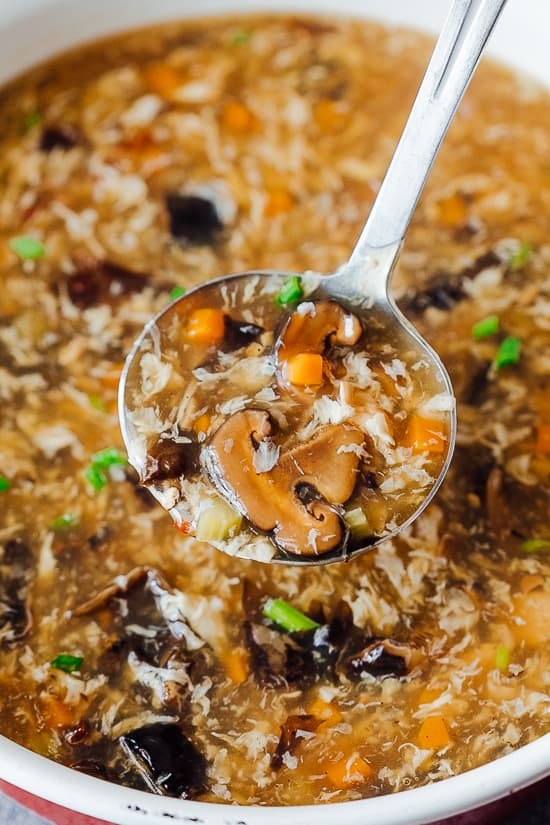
{"type": "Point", "coordinates": [298, 499]}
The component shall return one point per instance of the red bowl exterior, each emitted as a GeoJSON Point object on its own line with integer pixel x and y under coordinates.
{"type": "Point", "coordinates": [492, 814]}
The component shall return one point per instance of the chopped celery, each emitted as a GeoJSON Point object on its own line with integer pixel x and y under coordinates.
{"type": "Point", "coordinates": [5, 484]}
{"type": "Point", "coordinates": [66, 662]}
{"type": "Point", "coordinates": [27, 248]}
{"type": "Point", "coordinates": [291, 291]}
{"type": "Point", "coordinates": [536, 546]}
{"type": "Point", "coordinates": [484, 328]}
{"type": "Point", "coordinates": [177, 292]}
{"type": "Point", "coordinates": [287, 616]}
{"type": "Point", "coordinates": [519, 258]}
{"type": "Point", "coordinates": [358, 523]}
{"type": "Point", "coordinates": [508, 353]}
{"type": "Point", "coordinates": [217, 521]}
{"type": "Point", "coordinates": [64, 522]}
{"type": "Point", "coordinates": [502, 659]}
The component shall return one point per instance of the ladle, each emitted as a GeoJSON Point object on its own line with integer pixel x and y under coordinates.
{"type": "Point", "coordinates": [362, 283]}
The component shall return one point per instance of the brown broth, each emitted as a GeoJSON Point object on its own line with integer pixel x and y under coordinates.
{"type": "Point", "coordinates": [292, 170]}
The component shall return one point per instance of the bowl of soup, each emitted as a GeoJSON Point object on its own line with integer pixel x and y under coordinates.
{"type": "Point", "coordinates": [145, 675]}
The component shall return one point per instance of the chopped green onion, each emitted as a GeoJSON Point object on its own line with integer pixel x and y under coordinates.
{"type": "Point", "coordinates": [520, 257]}
{"type": "Point", "coordinates": [502, 659]}
{"type": "Point", "coordinates": [31, 120]}
{"type": "Point", "coordinates": [241, 38]}
{"type": "Point", "coordinates": [107, 458]}
{"type": "Point", "coordinates": [97, 403]}
{"type": "Point", "coordinates": [95, 477]}
{"type": "Point", "coordinates": [63, 522]}
{"type": "Point", "coordinates": [287, 616]}
{"type": "Point", "coordinates": [488, 326]}
{"type": "Point", "coordinates": [536, 546]}
{"type": "Point", "coordinates": [28, 248]}
{"type": "Point", "coordinates": [66, 662]}
{"type": "Point", "coordinates": [508, 352]}
{"type": "Point", "coordinates": [177, 292]}
{"type": "Point", "coordinates": [5, 484]}
{"type": "Point", "coordinates": [291, 292]}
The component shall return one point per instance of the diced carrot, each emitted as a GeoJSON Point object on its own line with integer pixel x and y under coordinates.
{"type": "Point", "coordinates": [428, 696]}
{"type": "Point", "coordinates": [236, 665]}
{"type": "Point", "coordinates": [326, 711]}
{"type": "Point", "coordinates": [533, 610]}
{"type": "Point", "coordinates": [328, 116]}
{"type": "Point", "coordinates": [206, 326]}
{"type": "Point", "coordinates": [349, 771]}
{"type": "Point", "coordinates": [433, 733]}
{"type": "Point", "coordinates": [530, 582]}
{"type": "Point", "coordinates": [452, 210]}
{"type": "Point", "coordinates": [163, 79]}
{"type": "Point", "coordinates": [426, 434]}
{"type": "Point", "coordinates": [58, 715]}
{"type": "Point", "coordinates": [305, 369]}
{"type": "Point", "coordinates": [278, 202]}
{"type": "Point", "coordinates": [542, 444]}
{"type": "Point", "coordinates": [202, 423]}
{"type": "Point", "coordinates": [237, 118]}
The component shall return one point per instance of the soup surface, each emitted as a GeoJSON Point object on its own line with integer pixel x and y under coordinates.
{"type": "Point", "coordinates": [133, 652]}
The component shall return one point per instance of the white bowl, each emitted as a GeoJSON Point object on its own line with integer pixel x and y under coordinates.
{"type": "Point", "coordinates": [32, 30]}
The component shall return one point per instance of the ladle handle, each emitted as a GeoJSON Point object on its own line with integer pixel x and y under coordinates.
{"type": "Point", "coordinates": [453, 62]}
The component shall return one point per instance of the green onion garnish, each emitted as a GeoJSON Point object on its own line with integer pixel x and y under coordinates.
{"type": "Point", "coordinates": [287, 616]}
{"type": "Point", "coordinates": [28, 248]}
{"type": "Point", "coordinates": [177, 292]}
{"type": "Point", "coordinates": [5, 484]}
{"type": "Point", "coordinates": [241, 38]}
{"type": "Point", "coordinates": [66, 662]}
{"type": "Point", "coordinates": [502, 659]}
{"type": "Point", "coordinates": [488, 326]}
{"type": "Point", "coordinates": [508, 352]}
{"type": "Point", "coordinates": [520, 257]}
{"type": "Point", "coordinates": [95, 473]}
{"type": "Point", "coordinates": [97, 403]}
{"type": "Point", "coordinates": [64, 522]}
{"type": "Point", "coordinates": [95, 477]}
{"type": "Point", "coordinates": [31, 120]}
{"type": "Point", "coordinates": [107, 458]}
{"type": "Point", "coordinates": [291, 292]}
{"type": "Point", "coordinates": [535, 546]}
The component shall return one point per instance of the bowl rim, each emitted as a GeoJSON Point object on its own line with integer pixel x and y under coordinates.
{"type": "Point", "coordinates": [125, 806]}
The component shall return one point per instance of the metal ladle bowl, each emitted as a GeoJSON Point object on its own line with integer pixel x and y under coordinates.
{"type": "Point", "coordinates": [361, 285]}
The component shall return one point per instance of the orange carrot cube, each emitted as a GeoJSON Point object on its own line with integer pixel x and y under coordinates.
{"type": "Point", "coordinates": [433, 733]}
{"type": "Point", "coordinates": [542, 444]}
{"type": "Point", "coordinates": [305, 369]}
{"type": "Point", "coordinates": [326, 711]}
{"type": "Point", "coordinates": [426, 435]}
{"type": "Point", "coordinates": [237, 118]}
{"type": "Point", "coordinates": [206, 326]}
{"type": "Point", "coordinates": [163, 79]}
{"type": "Point", "coordinates": [349, 771]}
{"type": "Point", "coordinates": [236, 665]}
{"type": "Point", "coordinates": [278, 202]}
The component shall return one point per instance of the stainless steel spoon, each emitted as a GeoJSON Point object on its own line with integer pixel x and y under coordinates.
{"type": "Point", "coordinates": [362, 283]}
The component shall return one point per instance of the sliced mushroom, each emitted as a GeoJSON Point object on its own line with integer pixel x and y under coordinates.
{"type": "Point", "coordinates": [15, 610]}
{"type": "Point", "coordinates": [381, 657]}
{"type": "Point", "coordinates": [170, 459]}
{"type": "Point", "coordinates": [64, 136]}
{"type": "Point", "coordinates": [297, 500]}
{"type": "Point", "coordinates": [315, 328]}
{"type": "Point", "coordinates": [169, 762]}
{"type": "Point", "coordinates": [100, 282]}
{"type": "Point", "coordinates": [193, 219]}
{"type": "Point", "coordinates": [276, 659]}
{"type": "Point", "coordinates": [293, 731]}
